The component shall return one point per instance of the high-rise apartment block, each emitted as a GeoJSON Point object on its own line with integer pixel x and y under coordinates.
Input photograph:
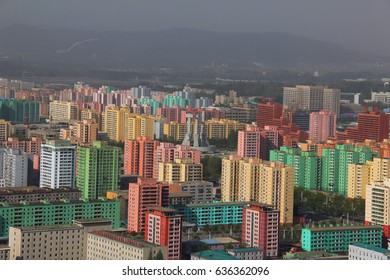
{"type": "Point", "coordinates": [261, 181]}
{"type": "Point", "coordinates": [359, 176]}
{"type": "Point", "coordinates": [87, 131]}
{"type": "Point", "coordinates": [371, 125]}
{"type": "Point", "coordinates": [260, 228]}
{"type": "Point", "coordinates": [139, 126]}
{"type": "Point", "coordinates": [142, 195]}
{"type": "Point", "coordinates": [64, 111]}
{"type": "Point", "coordinates": [168, 152]}
{"type": "Point", "coordinates": [182, 170]}
{"type": "Point", "coordinates": [19, 110]}
{"type": "Point", "coordinates": [322, 125]}
{"type": "Point", "coordinates": [97, 169]}
{"type": "Point", "coordinates": [307, 166]}
{"type": "Point", "coordinates": [335, 165]}
{"type": "Point", "coordinates": [378, 205]}
{"type": "Point", "coordinates": [57, 164]}
{"type": "Point", "coordinates": [163, 226]}
{"type": "Point", "coordinates": [248, 144]}
{"type": "Point", "coordinates": [267, 112]}
{"type": "Point", "coordinates": [4, 130]}
{"type": "Point", "coordinates": [139, 157]}
{"type": "Point", "coordinates": [15, 166]}
{"type": "Point", "coordinates": [221, 128]}
{"type": "Point", "coordinates": [114, 120]}
{"type": "Point", "coordinates": [312, 98]}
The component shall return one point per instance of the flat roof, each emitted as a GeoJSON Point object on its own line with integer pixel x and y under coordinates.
{"type": "Point", "coordinates": [57, 202]}
{"type": "Point", "coordinates": [92, 221]}
{"type": "Point", "coordinates": [34, 189]}
{"type": "Point", "coordinates": [371, 247]}
{"type": "Point", "coordinates": [244, 250]}
{"type": "Point", "coordinates": [213, 204]}
{"type": "Point", "coordinates": [232, 203]}
{"type": "Point", "coordinates": [49, 228]}
{"type": "Point", "coordinates": [162, 209]}
{"type": "Point", "coordinates": [214, 255]}
{"type": "Point", "coordinates": [219, 240]}
{"type": "Point", "coordinates": [338, 228]}
{"type": "Point", "coordinates": [124, 237]}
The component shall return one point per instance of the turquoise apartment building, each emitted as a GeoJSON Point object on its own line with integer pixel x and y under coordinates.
{"type": "Point", "coordinates": [216, 213]}
{"type": "Point", "coordinates": [338, 238]}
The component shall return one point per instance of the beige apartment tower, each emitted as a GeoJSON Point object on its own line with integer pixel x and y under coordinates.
{"type": "Point", "coordinates": [182, 170]}
{"type": "Point", "coordinates": [249, 179]}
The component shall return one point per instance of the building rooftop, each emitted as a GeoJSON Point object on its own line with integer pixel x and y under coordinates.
{"type": "Point", "coordinates": [214, 255]}
{"type": "Point", "coordinates": [217, 203]}
{"type": "Point", "coordinates": [33, 189]}
{"type": "Point", "coordinates": [245, 250]}
{"type": "Point", "coordinates": [342, 228]}
{"type": "Point", "coordinates": [219, 240]}
{"type": "Point", "coordinates": [57, 202]}
{"type": "Point", "coordinates": [49, 228]}
{"type": "Point", "coordinates": [162, 209]}
{"type": "Point", "coordinates": [92, 221]}
{"type": "Point", "coordinates": [309, 255]}
{"type": "Point", "coordinates": [4, 247]}
{"type": "Point", "coordinates": [124, 237]}
{"type": "Point", "coordinates": [232, 203]}
{"type": "Point", "coordinates": [372, 248]}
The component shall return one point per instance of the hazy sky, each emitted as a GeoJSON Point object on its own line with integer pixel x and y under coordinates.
{"type": "Point", "coordinates": [358, 24]}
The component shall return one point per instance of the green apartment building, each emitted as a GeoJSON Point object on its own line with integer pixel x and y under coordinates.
{"type": "Point", "coordinates": [97, 169]}
{"type": "Point", "coordinates": [150, 102]}
{"type": "Point", "coordinates": [216, 213]}
{"type": "Point", "coordinates": [338, 239]}
{"type": "Point", "coordinates": [59, 212]}
{"type": "Point", "coordinates": [307, 166]}
{"type": "Point", "coordinates": [335, 166]}
{"type": "Point", "coordinates": [19, 110]}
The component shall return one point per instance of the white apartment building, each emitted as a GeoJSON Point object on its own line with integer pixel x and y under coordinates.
{"type": "Point", "coordinates": [57, 165]}
{"type": "Point", "coordinates": [360, 251]}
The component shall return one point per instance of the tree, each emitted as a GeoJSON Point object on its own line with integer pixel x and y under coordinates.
{"type": "Point", "coordinates": [150, 257]}
{"type": "Point", "coordinates": [159, 255]}
{"type": "Point", "coordinates": [194, 229]}
{"type": "Point", "coordinates": [228, 247]}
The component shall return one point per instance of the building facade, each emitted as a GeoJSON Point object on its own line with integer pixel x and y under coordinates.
{"type": "Point", "coordinates": [260, 228]}
{"type": "Point", "coordinates": [338, 239]}
{"type": "Point", "coordinates": [57, 164]}
{"type": "Point", "coordinates": [97, 169]}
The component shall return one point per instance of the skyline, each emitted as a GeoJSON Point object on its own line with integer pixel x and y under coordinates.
{"type": "Point", "coordinates": [352, 24]}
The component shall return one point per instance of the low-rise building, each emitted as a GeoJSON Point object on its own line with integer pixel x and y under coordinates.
{"type": "Point", "coordinates": [247, 253]}
{"type": "Point", "coordinates": [61, 212]}
{"type": "Point", "coordinates": [338, 239]}
{"type": "Point", "coordinates": [361, 251]}
{"type": "Point", "coordinates": [212, 255]}
{"type": "Point", "coordinates": [111, 245]}
{"type": "Point", "coordinates": [58, 242]}
{"type": "Point", "coordinates": [35, 194]}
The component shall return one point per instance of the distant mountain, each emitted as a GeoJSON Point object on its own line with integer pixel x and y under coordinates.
{"type": "Point", "coordinates": [171, 48]}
